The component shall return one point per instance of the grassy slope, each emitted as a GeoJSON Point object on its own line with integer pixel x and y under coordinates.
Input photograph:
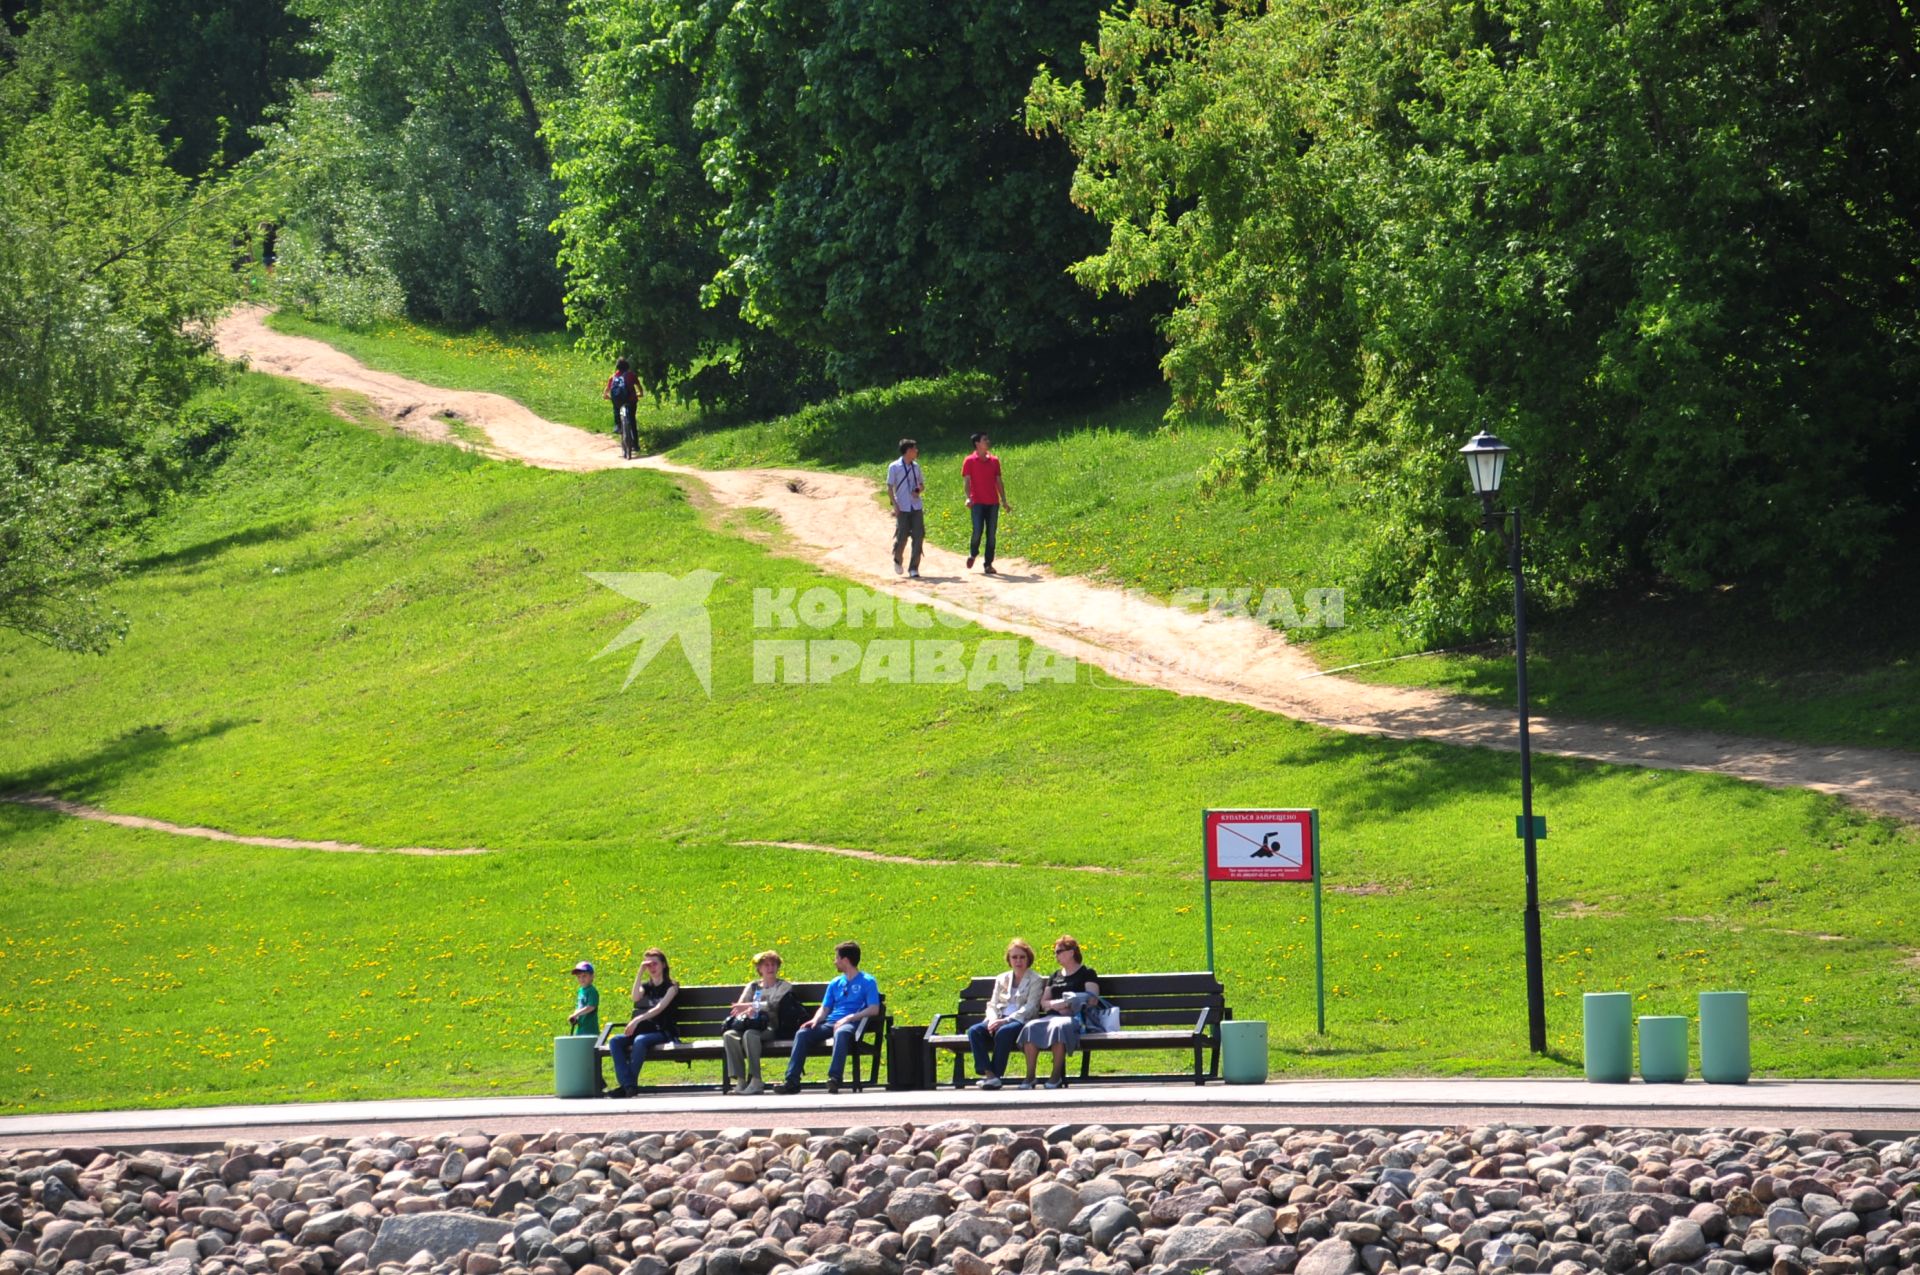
{"type": "Point", "coordinates": [1107, 491]}
{"type": "Point", "coordinates": [358, 637]}
{"type": "Point", "coordinates": [541, 369]}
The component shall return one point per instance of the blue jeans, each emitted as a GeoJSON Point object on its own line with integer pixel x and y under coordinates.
{"type": "Point", "coordinates": [986, 518]}
{"type": "Point", "coordinates": [844, 1032]}
{"type": "Point", "coordinates": [1001, 1042]}
{"type": "Point", "coordinates": [630, 1052]}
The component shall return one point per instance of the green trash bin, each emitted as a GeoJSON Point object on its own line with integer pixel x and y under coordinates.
{"type": "Point", "coordinates": [1724, 1055]}
{"type": "Point", "coordinates": [1663, 1049]}
{"type": "Point", "coordinates": [576, 1072]}
{"type": "Point", "coordinates": [1243, 1052]}
{"type": "Point", "coordinates": [1608, 1037]}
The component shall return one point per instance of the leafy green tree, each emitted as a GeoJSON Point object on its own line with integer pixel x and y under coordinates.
{"type": "Point", "coordinates": [111, 269]}
{"type": "Point", "coordinates": [211, 68]}
{"type": "Point", "coordinates": [854, 179]}
{"type": "Point", "coordinates": [640, 226]}
{"type": "Point", "coordinates": [433, 110]}
{"type": "Point", "coordinates": [1667, 249]}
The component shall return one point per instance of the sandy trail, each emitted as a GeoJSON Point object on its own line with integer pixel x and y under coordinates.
{"type": "Point", "coordinates": [839, 522]}
{"type": "Point", "coordinates": [76, 810]}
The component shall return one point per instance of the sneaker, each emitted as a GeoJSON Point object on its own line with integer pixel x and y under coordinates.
{"type": "Point", "coordinates": [1054, 1082]}
{"type": "Point", "coordinates": [753, 1087]}
{"type": "Point", "coordinates": [988, 570]}
{"type": "Point", "coordinates": [1027, 1083]}
{"type": "Point", "coordinates": [789, 1087]}
{"type": "Point", "coordinates": [897, 568]}
{"type": "Point", "coordinates": [914, 574]}
{"type": "Point", "coordinates": [833, 1084]}
{"type": "Point", "coordinates": [970, 558]}
{"type": "Point", "coordinates": [987, 1082]}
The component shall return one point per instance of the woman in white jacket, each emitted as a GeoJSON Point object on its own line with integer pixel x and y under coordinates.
{"type": "Point", "coordinates": [1014, 1001]}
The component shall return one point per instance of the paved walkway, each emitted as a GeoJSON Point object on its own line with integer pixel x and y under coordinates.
{"type": "Point", "coordinates": [1854, 1105]}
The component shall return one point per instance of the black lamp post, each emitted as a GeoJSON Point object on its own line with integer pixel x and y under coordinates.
{"type": "Point", "coordinates": [1486, 461]}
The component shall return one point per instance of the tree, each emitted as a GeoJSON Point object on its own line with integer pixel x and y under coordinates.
{"type": "Point", "coordinates": [431, 114]}
{"type": "Point", "coordinates": [110, 270]}
{"type": "Point", "coordinates": [640, 225]}
{"type": "Point", "coordinates": [1667, 249]}
{"type": "Point", "coordinates": [210, 68]}
{"type": "Point", "coordinates": [853, 179]}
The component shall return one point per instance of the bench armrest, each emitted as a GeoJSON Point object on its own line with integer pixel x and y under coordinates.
{"type": "Point", "coordinates": [1200, 1027]}
{"type": "Point", "coordinates": [933, 1028]}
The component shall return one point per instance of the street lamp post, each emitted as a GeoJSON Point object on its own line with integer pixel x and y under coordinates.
{"type": "Point", "coordinates": [1486, 458]}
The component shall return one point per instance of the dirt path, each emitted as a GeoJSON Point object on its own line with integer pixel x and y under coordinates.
{"type": "Point", "coordinates": [838, 521]}
{"type": "Point", "coordinates": [76, 810]}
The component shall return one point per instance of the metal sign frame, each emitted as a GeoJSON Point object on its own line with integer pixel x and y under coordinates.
{"type": "Point", "coordinates": [1211, 870]}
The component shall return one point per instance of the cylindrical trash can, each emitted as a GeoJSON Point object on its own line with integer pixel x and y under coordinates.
{"type": "Point", "coordinates": [1724, 1056]}
{"type": "Point", "coordinates": [1608, 1036]}
{"type": "Point", "coordinates": [1663, 1049]}
{"type": "Point", "coordinates": [907, 1058]}
{"type": "Point", "coordinates": [575, 1073]}
{"type": "Point", "coordinates": [1243, 1052]}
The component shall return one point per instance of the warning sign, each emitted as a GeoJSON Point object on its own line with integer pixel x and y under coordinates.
{"type": "Point", "coordinates": [1260, 845]}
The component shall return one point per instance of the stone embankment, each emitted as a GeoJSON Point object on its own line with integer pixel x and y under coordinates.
{"type": "Point", "coordinates": [959, 1199]}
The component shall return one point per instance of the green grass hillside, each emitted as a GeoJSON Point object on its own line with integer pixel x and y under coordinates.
{"type": "Point", "coordinates": [349, 635]}
{"type": "Point", "coordinates": [1108, 491]}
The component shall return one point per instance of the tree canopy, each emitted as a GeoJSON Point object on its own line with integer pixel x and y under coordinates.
{"type": "Point", "coordinates": [853, 179]}
{"type": "Point", "coordinates": [110, 269]}
{"type": "Point", "coordinates": [209, 68]}
{"type": "Point", "coordinates": [416, 172]}
{"type": "Point", "coordinates": [1666, 248]}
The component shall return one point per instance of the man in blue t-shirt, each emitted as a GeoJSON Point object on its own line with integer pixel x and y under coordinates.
{"type": "Point", "coordinates": [851, 999]}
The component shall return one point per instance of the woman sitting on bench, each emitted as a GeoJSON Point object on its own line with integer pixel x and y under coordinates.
{"type": "Point", "coordinates": [1015, 1000]}
{"type": "Point", "coordinates": [1071, 990]}
{"type": "Point", "coordinates": [653, 1022]}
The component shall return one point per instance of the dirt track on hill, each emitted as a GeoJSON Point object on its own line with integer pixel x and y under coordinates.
{"type": "Point", "coordinates": [839, 522]}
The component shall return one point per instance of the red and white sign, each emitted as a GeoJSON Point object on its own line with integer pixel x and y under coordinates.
{"type": "Point", "coordinates": [1260, 845]}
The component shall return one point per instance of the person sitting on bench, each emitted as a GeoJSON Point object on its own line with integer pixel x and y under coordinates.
{"type": "Point", "coordinates": [850, 1000]}
{"type": "Point", "coordinates": [1014, 1001]}
{"type": "Point", "coordinates": [1069, 991]}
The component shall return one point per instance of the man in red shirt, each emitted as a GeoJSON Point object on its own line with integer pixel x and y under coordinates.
{"type": "Point", "coordinates": [986, 495]}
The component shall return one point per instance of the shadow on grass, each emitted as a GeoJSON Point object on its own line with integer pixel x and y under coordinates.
{"type": "Point", "coordinates": [91, 775]}
{"type": "Point", "coordinates": [197, 554]}
{"type": "Point", "coordinates": [864, 427]}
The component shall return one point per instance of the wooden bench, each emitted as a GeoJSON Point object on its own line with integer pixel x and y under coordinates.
{"type": "Point", "coordinates": [1157, 1011]}
{"type": "Point", "coordinates": [702, 1011]}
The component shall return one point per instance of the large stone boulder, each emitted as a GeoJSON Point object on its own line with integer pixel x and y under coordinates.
{"type": "Point", "coordinates": [1053, 1205]}
{"type": "Point", "coordinates": [441, 1234]}
{"type": "Point", "coordinates": [1186, 1246]}
{"type": "Point", "coordinates": [1330, 1257]}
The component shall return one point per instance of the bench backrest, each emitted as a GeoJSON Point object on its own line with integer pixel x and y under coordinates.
{"type": "Point", "coordinates": [1145, 1000]}
{"type": "Point", "coordinates": [702, 1010]}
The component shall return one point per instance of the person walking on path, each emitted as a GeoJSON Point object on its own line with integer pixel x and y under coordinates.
{"type": "Point", "coordinates": [904, 488]}
{"type": "Point", "coordinates": [986, 497]}
{"type": "Point", "coordinates": [624, 393]}
{"type": "Point", "coordinates": [850, 1000]}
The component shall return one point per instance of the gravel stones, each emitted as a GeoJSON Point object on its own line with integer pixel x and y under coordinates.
{"type": "Point", "coordinates": [961, 1198]}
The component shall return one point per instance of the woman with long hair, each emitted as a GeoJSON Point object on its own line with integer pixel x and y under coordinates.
{"type": "Point", "coordinates": [653, 1022]}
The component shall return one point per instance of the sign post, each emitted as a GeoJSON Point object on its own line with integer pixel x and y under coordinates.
{"type": "Point", "coordinates": [1266, 845]}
